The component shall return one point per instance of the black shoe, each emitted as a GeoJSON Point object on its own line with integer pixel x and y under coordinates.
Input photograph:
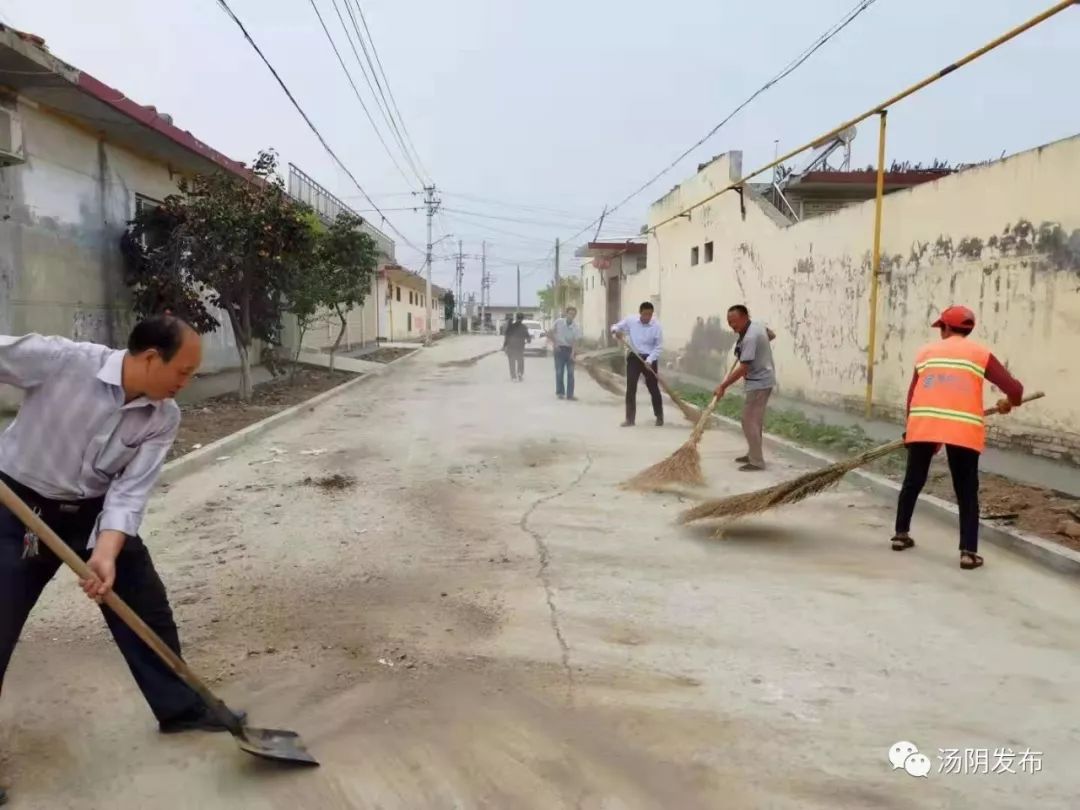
{"type": "Point", "coordinates": [201, 719]}
{"type": "Point", "coordinates": [571, 399]}
{"type": "Point", "coordinates": [561, 396]}
{"type": "Point", "coordinates": [627, 423]}
{"type": "Point", "coordinates": [742, 460]}
{"type": "Point", "coordinates": [751, 468]}
{"type": "Point", "coordinates": [659, 421]}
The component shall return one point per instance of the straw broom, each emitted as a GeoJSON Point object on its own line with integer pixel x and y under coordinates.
{"type": "Point", "coordinates": [469, 361]}
{"type": "Point", "coordinates": [688, 411]}
{"type": "Point", "coordinates": [797, 489]}
{"type": "Point", "coordinates": [604, 379]}
{"type": "Point", "coordinates": [683, 467]}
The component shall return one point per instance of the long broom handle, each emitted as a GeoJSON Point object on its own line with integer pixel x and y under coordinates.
{"type": "Point", "coordinates": [34, 523]}
{"type": "Point", "coordinates": [659, 379]}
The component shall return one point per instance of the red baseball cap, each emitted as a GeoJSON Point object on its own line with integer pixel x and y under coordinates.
{"type": "Point", "coordinates": [956, 317]}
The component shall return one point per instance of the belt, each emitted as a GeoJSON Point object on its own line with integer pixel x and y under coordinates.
{"type": "Point", "coordinates": [63, 517]}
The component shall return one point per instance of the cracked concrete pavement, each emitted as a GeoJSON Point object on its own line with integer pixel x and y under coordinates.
{"type": "Point", "coordinates": [486, 620]}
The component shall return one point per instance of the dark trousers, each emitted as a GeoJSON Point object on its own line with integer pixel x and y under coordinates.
{"type": "Point", "coordinates": [564, 371]}
{"type": "Point", "coordinates": [635, 368]}
{"type": "Point", "coordinates": [516, 357]}
{"type": "Point", "coordinates": [137, 583]}
{"type": "Point", "coordinates": [964, 466]}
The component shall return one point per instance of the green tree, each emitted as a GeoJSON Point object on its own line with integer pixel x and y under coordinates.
{"type": "Point", "coordinates": [569, 294]}
{"type": "Point", "coordinates": [226, 241]}
{"type": "Point", "coordinates": [346, 258]}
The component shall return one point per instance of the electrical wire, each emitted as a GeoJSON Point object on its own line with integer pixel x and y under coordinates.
{"type": "Point", "coordinates": [359, 98]}
{"type": "Point", "coordinates": [483, 215]}
{"type": "Point", "coordinates": [232, 15]}
{"type": "Point", "coordinates": [389, 91]}
{"type": "Point", "coordinates": [533, 208]}
{"type": "Point", "coordinates": [786, 71]}
{"type": "Point", "coordinates": [371, 87]}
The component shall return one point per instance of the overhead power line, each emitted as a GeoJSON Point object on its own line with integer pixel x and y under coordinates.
{"type": "Point", "coordinates": [389, 91]}
{"type": "Point", "coordinates": [482, 215]}
{"type": "Point", "coordinates": [359, 98]}
{"type": "Point", "coordinates": [786, 71]}
{"type": "Point", "coordinates": [383, 110]}
{"type": "Point", "coordinates": [534, 208]}
{"type": "Point", "coordinates": [285, 88]}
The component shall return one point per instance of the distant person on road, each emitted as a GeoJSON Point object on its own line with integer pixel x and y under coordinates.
{"type": "Point", "coordinates": [84, 452]}
{"type": "Point", "coordinates": [565, 335]}
{"type": "Point", "coordinates": [645, 336]}
{"type": "Point", "coordinates": [517, 335]}
{"type": "Point", "coordinates": [945, 407]}
{"type": "Point", "coordinates": [755, 365]}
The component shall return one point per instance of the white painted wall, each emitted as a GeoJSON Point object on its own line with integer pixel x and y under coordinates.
{"type": "Point", "coordinates": [1004, 239]}
{"type": "Point", "coordinates": [61, 217]}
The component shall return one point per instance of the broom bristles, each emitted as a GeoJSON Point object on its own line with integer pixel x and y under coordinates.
{"type": "Point", "coordinates": [469, 361]}
{"type": "Point", "coordinates": [681, 467]}
{"type": "Point", "coordinates": [785, 493]}
{"type": "Point", "coordinates": [604, 379]}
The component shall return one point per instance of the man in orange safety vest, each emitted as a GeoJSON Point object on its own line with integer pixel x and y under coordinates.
{"type": "Point", "coordinates": [945, 407]}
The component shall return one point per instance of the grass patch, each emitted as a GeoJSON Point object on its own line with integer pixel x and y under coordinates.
{"type": "Point", "coordinates": [837, 440]}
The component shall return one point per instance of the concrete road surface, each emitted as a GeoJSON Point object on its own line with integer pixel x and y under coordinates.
{"type": "Point", "coordinates": [486, 621]}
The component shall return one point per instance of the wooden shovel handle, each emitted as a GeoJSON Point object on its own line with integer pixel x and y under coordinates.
{"type": "Point", "coordinates": [34, 523]}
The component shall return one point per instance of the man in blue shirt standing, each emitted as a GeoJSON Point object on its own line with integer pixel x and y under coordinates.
{"type": "Point", "coordinates": [565, 335]}
{"type": "Point", "coordinates": [646, 337]}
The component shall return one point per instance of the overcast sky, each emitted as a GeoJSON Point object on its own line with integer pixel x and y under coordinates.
{"type": "Point", "coordinates": [550, 110]}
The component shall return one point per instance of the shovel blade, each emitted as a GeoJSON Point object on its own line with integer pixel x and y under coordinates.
{"type": "Point", "coordinates": [276, 744]}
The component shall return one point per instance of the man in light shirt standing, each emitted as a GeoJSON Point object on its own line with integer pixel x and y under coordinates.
{"type": "Point", "coordinates": [84, 452]}
{"type": "Point", "coordinates": [754, 353]}
{"type": "Point", "coordinates": [645, 336]}
{"type": "Point", "coordinates": [565, 334]}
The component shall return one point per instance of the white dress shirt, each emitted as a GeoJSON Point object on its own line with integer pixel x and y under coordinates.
{"type": "Point", "coordinates": [74, 437]}
{"type": "Point", "coordinates": [646, 338]}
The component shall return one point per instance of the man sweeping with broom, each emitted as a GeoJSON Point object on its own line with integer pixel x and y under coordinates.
{"type": "Point", "coordinates": [646, 338]}
{"type": "Point", "coordinates": [755, 365]}
{"type": "Point", "coordinates": [945, 407]}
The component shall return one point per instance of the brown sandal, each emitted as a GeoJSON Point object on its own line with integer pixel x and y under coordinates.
{"type": "Point", "coordinates": [969, 561]}
{"type": "Point", "coordinates": [900, 543]}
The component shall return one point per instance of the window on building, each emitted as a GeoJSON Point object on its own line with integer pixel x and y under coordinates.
{"type": "Point", "coordinates": [708, 252]}
{"type": "Point", "coordinates": [694, 255]}
{"type": "Point", "coordinates": [399, 292]}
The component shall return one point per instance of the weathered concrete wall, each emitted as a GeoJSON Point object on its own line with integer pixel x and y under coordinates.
{"type": "Point", "coordinates": [61, 217]}
{"type": "Point", "coordinates": [1003, 239]}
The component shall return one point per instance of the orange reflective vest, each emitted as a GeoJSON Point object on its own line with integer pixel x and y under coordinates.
{"type": "Point", "coordinates": [947, 404]}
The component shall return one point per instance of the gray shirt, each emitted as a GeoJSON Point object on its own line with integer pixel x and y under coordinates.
{"type": "Point", "coordinates": [75, 437]}
{"type": "Point", "coordinates": [564, 334]}
{"type": "Point", "coordinates": [753, 347]}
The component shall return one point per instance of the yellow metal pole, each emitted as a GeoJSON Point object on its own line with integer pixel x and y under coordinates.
{"type": "Point", "coordinates": [875, 264]}
{"type": "Point", "coordinates": [1057, 8]}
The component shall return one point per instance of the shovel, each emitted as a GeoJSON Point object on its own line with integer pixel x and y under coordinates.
{"type": "Point", "coordinates": [269, 743]}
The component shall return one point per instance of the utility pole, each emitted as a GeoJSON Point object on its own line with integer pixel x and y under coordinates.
{"type": "Point", "coordinates": [484, 284]}
{"type": "Point", "coordinates": [555, 289]}
{"type": "Point", "coordinates": [460, 277]}
{"type": "Point", "coordinates": [431, 203]}
{"type": "Point", "coordinates": [519, 288]}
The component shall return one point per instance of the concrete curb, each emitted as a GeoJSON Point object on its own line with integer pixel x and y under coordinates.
{"type": "Point", "coordinates": [1044, 552]}
{"type": "Point", "coordinates": [204, 456]}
